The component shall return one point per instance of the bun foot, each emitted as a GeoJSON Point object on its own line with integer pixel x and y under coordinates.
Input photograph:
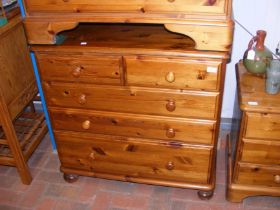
{"type": "Point", "coordinates": [71, 178]}
{"type": "Point", "coordinates": [205, 195]}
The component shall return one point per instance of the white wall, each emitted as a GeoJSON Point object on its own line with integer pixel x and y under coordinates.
{"type": "Point", "coordinates": [254, 15]}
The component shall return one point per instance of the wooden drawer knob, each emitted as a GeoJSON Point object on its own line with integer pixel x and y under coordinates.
{"type": "Point", "coordinates": [77, 72]}
{"type": "Point", "coordinates": [170, 106]}
{"type": "Point", "coordinates": [170, 77]}
{"type": "Point", "coordinates": [171, 1]}
{"type": "Point", "coordinates": [82, 99]}
{"type": "Point", "coordinates": [86, 125]}
{"type": "Point", "coordinates": [170, 133]}
{"type": "Point", "coordinates": [277, 179]}
{"type": "Point", "coordinates": [170, 165]}
{"type": "Point", "coordinates": [201, 75]}
{"type": "Point", "coordinates": [211, 2]}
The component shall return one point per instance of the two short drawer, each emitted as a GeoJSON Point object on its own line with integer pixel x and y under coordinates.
{"type": "Point", "coordinates": [131, 158]}
{"type": "Point", "coordinates": [147, 71]}
{"type": "Point", "coordinates": [169, 130]}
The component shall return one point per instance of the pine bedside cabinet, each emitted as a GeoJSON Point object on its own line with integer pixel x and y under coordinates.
{"type": "Point", "coordinates": [256, 166]}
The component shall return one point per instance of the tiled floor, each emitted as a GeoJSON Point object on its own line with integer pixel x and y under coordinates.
{"type": "Point", "coordinates": [49, 191]}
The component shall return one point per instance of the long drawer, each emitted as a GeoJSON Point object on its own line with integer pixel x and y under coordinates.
{"type": "Point", "coordinates": [173, 72]}
{"type": "Point", "coordinates": [258, 175]}
{"type": "Point", "coordinates": [133, 99]}
{"type": "Point", "coordinates": [82, 68]}
{"type": "Point", "coordinates": [135, 6]}
{"type": "Point", "coordinates": [261, 151]}
{"type": "Point", "coordinates": [141, 126]}
{"type": "Point", "coordinates": [133, 158]}
{"type": "Point", "coordinates": [263, 126]}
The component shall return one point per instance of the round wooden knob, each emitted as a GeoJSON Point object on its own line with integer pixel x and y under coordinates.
{"type": "Point", "coordinates": [77, 72]}
{"type": "Point", "coordinates": [170, 77]}
{"type": "Point", "coordinates": [170, 133]}
{"type": "Point", "coordinates": [92, 155]}
{"type": "Point", "coordinates": [170, 165]}
{"type": "Point", "coordinates": [82, 99]}
{"type": "Point", "coordinates": [170, 106]}
{"type": "Point", "coordinates": [277, 179]}
{"type": "Point", "coordinates": [211, 2]}
{"type": "Point", "coordinates": [201, 75]}
{"type": "Point", "coordinates": [86, 125]}
{"type": "Point", "coordinates": [170, 1]}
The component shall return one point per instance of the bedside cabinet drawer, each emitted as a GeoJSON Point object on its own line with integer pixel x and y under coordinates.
{"type": "Point", "coordinates": [261, 151]}
{"type": "Point", "coordinates": [178, 103]}
{"type": "Point", "coordinates": [80, 68]}
{"type": "Point", "coordinates": [258, 175]}
{"type": "Point", "coordinates": [140, 126]}
{"type": "Point", "coordinates": [263, 126]}
{"type": "Point", "coordinates": [172, 73]}
{"type": "Point", "coordinates": [133, 158]}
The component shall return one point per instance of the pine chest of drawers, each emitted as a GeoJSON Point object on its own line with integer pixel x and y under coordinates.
{"type": "Point", "coordinates": [256, 169]}
{"type": "Point", "coordinates": [134, 102]}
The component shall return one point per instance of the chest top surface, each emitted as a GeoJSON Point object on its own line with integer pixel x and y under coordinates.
{"type": "Point", "coordinates": [252, 93]}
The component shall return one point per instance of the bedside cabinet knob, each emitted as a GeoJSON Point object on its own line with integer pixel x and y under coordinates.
{"type": "Point", "coordinates": [86, 125]}
{"type": "Point", "coordinates": [82, 99]}
{"type": "Point", "coordinates": [201, 75]}
{"type": "Point", "coordinates": [277, 179]}
{"type": "Point", "coordinates": [170, 106]}
{"type": "Point", "coordinates": [77, 72]}
{"type": "Point", "coordinates": [170, 165]}
{"type": "Point", "coordinates": [211, 2]}
{"type": "Point", "coordinates": [170, 77]}
{"type": "Point", "coordinates": [170, 133]}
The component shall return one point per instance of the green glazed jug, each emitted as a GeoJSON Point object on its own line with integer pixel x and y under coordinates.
{"type": "Point", "coordinates": [257, 57]}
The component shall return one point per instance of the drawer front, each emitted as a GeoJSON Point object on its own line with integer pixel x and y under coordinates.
{"type": "Point", "coordinates": [133, 158]}
{"type": "Point", "coordinates": [141, 126]}
{"type": "Point", "coordinates": [259, 175]}
{"type": "Point", "coordinates": [261, 151]}
{"type": "Point", "coordinates": [136, 6]}
{"type": "Point", "coordinates": [263, 126]}
{"type": "Point", "coordinates": [133, 100]}
{"type": "Point", "coordinates": [173, 73]}
{"type": "Point", "coordinates": [80, 68]}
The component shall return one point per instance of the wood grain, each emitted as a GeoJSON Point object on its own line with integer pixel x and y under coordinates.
{"type": "Point", "coordinates": [253, 90]}
{"type": "Point", "coordinates": [204, 22]}
{"type": "Point", "coordinates": [262, 125]}
{"type": "Point", "coordinates": [133, 158]}
{"type": "Point", "coordinates": [133, 99]}
{"type": "Point", "coordinates": [16, 67]}
{"type": "Point", "coordinates": [137, 6]}
{"type": "Point", "coordinates": [141, 126]}
{"type": "Point", "coordinates": [258, 175]}
{"type": "Point", "coordinates": [188, 73]}
{"type": "Point", "coordinates": [17, 89]}
{"type": "Point", "coordinates": [256, 167]}
{"type": "Point", "coordinates": [80, 68]}
{"type": "Point", "coordinates": [261, 151]}
{"type": "Point", "coordinates": [157, 120]}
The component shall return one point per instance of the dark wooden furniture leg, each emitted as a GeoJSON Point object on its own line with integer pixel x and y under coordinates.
{"type": "Point", "coordinates": [205, 195]}
{"type": "Point", "coordinates": [71, 178]}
